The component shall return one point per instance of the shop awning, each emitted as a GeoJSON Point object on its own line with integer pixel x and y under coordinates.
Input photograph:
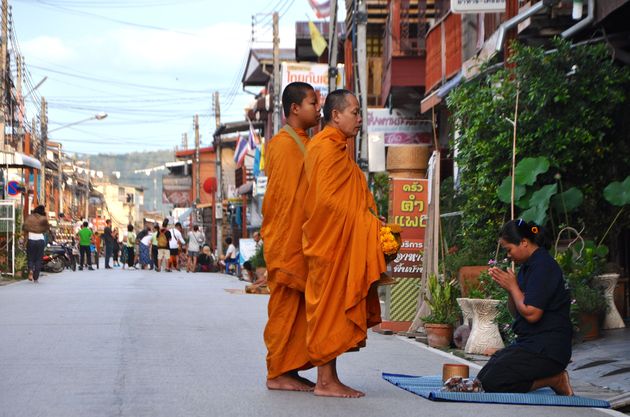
{"type": "Point", "coordinates": [18, 160]}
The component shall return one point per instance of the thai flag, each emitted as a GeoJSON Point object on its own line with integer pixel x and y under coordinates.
{"type": "Point", "coordinates": [321, 8]}
{"type": "Point", "coordinates": [252, 140]}
{"type": "Point", "coordinates": [240, 151]}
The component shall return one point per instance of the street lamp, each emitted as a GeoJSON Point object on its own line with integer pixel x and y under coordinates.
{"type": "Point", "coordinates": [98, 116]}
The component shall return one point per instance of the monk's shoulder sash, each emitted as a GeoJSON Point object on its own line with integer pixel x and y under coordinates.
{"type": "Point", "coordinates": [295, 137]}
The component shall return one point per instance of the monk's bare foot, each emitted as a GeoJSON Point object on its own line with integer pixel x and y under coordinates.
{"type": "Point", "coordinates": [336, 389]}
{"type": "Point", "coordinates": [289, 382]}
{"type": "Point", "coordinates": [562, 385]}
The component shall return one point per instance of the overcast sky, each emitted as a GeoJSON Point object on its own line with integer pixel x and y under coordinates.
{"type": "Point", "coordinates": [150, 65]}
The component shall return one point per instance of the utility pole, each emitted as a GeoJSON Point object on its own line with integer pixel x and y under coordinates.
{"type": "Point", "coordinates": [43, 130]}
{"type": "Point", "coordinates": [332, 48]}
{"type": "Point", "coordinates": [20, 128]}
{"type": "Point", "coordinates": [3, 69]}
{"type": "Point", "coordinates": [184, 141]}
{"type": "Point", "coordinates": [197, 163]}
{"type": "Point", "coordinates": [87, 192]}
{"type": "Point", "coordinates": [277, 115]}
{"type": "Point", "coordinates": [217, 232]}
{"type": "Point", "coordinates": [34, 153]}
{"type": "Point", "coordinates": [362, 20]}
{"type": "Point", "coordinates": [60, 178]}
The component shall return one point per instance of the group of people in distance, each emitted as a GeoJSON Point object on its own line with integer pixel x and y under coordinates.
{"type": "Point", "coordinates": [161, 248]}
{"type": "Point", "coordinates": [324, 259]}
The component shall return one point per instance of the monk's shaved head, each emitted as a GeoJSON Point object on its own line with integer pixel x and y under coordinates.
{"type": "Point", "coordinates": [294, 93]}
{"type": "Point", "coordinates": [337, 100]}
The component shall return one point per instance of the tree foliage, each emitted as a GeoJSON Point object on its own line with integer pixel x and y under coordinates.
{"type": "Point", "coordinates": [572, 103]}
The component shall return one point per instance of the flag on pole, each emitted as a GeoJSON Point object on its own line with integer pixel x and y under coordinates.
{"type": "Point", "coordinates": [240, 151]}
{"type": "Point", "coordinates": [321, 8]}
{"type": "Point", "coordinates": [253, 137]}
{"type": "Point", "coordinates": [318, 43]}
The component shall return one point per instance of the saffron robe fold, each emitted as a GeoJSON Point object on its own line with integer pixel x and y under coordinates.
{"type": "Point", "coordinates": [342, 249]}
{"type": "Point", "coordinates": [283, 217]}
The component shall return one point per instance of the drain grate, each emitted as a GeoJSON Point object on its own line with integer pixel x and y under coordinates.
{"type": "Point", "coordinates": [595, 363]}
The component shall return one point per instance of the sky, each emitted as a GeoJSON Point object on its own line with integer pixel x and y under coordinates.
{"type": "Point", "coordinates": [150, 65]}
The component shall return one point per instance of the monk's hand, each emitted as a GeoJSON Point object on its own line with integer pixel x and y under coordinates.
{"type": "Point", "coordinates": [505, 279]}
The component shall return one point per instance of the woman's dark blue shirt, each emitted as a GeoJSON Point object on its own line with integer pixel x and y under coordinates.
{"type": "Point", "coordinates": [540, 278]}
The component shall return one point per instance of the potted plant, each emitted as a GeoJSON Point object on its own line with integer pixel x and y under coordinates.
{"type": "Point", "coordinates": [258, 262]}
{"type": "Point", "coordinates": [588, 301]}
{"type": "Point", "coordinates": [439, 324]}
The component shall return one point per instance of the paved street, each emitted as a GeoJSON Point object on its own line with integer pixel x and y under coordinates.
{"type": "Point", "coordinates": [139, 343]}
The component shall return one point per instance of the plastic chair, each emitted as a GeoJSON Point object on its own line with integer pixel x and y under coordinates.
{"type": "Point", "coordinates": [234, 262]}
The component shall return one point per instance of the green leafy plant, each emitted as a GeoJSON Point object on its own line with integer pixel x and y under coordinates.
{"type": "Point", "coordinates": [536, 203]}
{"type": "Point", "coordinates": [442, 300]}
{"type": "Point", "coordinates": [577, 121]}
{"type": "Point", "coordinates": [258, 258]}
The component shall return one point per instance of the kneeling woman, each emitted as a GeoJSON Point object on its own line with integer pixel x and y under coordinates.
{"type": "Point", "coordinates": [540, 301]}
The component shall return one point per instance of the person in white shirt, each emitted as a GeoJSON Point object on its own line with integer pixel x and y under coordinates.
{"type": "Point", "coordinates": [177, 239]}
{"type": "Point", "coordinates": [230, 253]}
{"type": "Point", "coordinates": [196, 240]}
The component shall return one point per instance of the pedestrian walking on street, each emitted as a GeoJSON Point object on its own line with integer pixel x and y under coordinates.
{"type": "Point", "coordinates": [35, 225]}
{"type": "Point", "coordinates": [285, 333]}
{"type": "Point", "coordinates": [163, 239]}
{"type": "Point", "coordinates": [341, 244]}
{"type": "Point", "coordinates": [144, 248]}
{"type": "Point", "coordinates": [154, 246]}
{"type": "Point", "coordinates": [129, 242]}
{"type": "Point", "coordinates": [540, 302]}
{"type": "Point", "coordinates": [108, 239]}
{"type": "Point", "coordinates": [196, 239]}
{"type": "Point", "coordinates": [116, 247]}
{"type": "Point", "coordinates": [177, 241]}
{"type": "Point", "coordinates": [85, 240]}
{"type": "Point", "coordinates": [96, 244]}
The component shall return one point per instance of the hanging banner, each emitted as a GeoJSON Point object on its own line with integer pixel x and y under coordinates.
{"type": "Point", "coordinates": [408, 207]}
{"type": "Point", "coordinates": [314, 74]}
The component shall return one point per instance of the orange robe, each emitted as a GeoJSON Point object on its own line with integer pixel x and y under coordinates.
{"type": "Point", "coordinates": [342, 248]}
{"type": "Point", "coordinates": [283, 216]}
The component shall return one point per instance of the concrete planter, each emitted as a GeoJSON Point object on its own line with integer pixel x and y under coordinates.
{"type": "Point", "coordinates": [485, 338]}
{"type": "Point", "coordinates": [613, 319]}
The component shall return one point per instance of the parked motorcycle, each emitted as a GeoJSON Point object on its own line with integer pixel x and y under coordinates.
{"type": "Point", "coordinates": [58, 257]}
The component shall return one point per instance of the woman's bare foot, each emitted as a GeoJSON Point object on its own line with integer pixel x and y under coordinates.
{"type": "Point", "coordinates": [289, 382]}
{"type": "Point", "coordinates": [336, 389]}
{"type": "Point", "coordinates": [561, 384]}
{"type": "Point", "coordinates": [30, 276]}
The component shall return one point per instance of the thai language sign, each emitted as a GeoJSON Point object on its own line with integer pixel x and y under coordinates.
{"type": "Point", "coordinates": [314, 74]}
{"type": "Point", "coordinates": [408, 208]}
{"type": "Point", "coordinates": [398, 128]}
{"type": "Point", "coordinates": [477, 6]}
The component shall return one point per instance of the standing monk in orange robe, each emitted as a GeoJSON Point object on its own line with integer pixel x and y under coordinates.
{"type": "Point", "coordinates": [341, 245]}
{"type": "Point", "coordinates": [283, 217]}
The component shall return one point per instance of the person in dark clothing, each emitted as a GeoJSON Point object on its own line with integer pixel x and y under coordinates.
{"type": "Point", "coordinates": [35, 225]}
{"type": "Point", "coordinates": [108, 239]}
{"type": "Point", "coordinates": [116, 247]}
{"type": "Point", "coordinates": [539, 300]}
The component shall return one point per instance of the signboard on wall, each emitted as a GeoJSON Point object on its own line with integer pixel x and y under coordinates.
{"type": "Point", "coordinates": [398, 128]}
{"type": "Point", "coordinates": [409, 200]}
{"type": "Point", "coordinates": [478, 6]}
{"type": "Point", "coordinates": [177, 190]}
{"type": "Point", "coordinates": [314, 74]}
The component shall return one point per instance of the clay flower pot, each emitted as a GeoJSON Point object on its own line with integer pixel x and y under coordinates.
{"type": "Point", "coordinates": [439, 335]}
{"type": "Point", "coordinates": [468, 277]}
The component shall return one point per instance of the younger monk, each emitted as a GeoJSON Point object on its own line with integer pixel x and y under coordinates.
{"type": "Point", "coordinates": [283, 216]}
{"type": "Point", "coordinates": [341, 246]}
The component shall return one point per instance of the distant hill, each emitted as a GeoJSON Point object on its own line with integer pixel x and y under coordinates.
{"type": "Point", "coordinates": [126, 164]}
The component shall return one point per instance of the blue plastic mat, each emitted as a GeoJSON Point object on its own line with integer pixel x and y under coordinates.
{"type": "Point", "coordinates": [430, 387]}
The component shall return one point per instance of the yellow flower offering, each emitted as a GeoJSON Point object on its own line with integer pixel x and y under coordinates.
{"type": "Point", "coordinates": [390, 243]}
